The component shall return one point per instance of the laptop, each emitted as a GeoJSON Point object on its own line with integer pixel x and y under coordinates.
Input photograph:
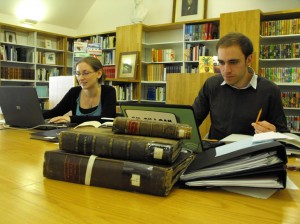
{"type": "Point", "coordinates": [166, 113]}
{"type": "Point", "coordinates": [21, 108]}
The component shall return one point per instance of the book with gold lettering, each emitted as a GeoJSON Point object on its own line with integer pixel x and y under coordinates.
{"type": "Point", "coordinates": [148, 178]}
{"type": "Point", "coordinates": [103, 142]}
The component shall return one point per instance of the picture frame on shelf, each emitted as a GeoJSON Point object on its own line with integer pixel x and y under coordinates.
{"type": "Point", "coordinates": [10, 37]}
{"type": "Point", "coordinates": [189, 10]}
{"type": "Point", "coordinates": [48, 44]}
{"type": "Point", "coordinates": [128, 65]}
{"type": "Point", "coordinates": [50, 58]}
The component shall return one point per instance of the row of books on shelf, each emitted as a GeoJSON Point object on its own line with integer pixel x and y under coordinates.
{"type": "Point", "coordinates": [204, 31]}
{"type": "Point", "coordinates": [193, 52]}
{"type": "Point", "coordinates": [17, 73]}
{"type": "Point", "coordinates": [290, 99]}
{"type": "Point", "coordinates": [156, 93]}
{"type": "Point", "coordinates": [293, 123]}
{"type": "Point", "coordinates": [156, 72]}
{"type": "Point", "coordinates": [108, 57]}
{"type": "Point", "coordinates": [48, 58]}
{"type": "Point", "coordinates": [109, 71]}
{"type": "Point", "coordinates": [42, 91]}
{"type": "Point", "coordinates": [104, 42]}
{"type": "Point", "coordinates": [280, 51]}
{"type": "Point", "coordinates": [160, 55]}
{"type": "Point", "coordinates": [124, 92]}
{"type": "Point", "coordinates": [13, 53]}
{"type": "Point", "coordinates": [281, 74]}
{"type": "Point", "coordinates": [280, 27]}
{"type": "Point", "coordinates": [43, 74]}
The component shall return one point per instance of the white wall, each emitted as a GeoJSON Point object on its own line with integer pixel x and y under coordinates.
{"type": "Point", "coordinates": [106, 17]}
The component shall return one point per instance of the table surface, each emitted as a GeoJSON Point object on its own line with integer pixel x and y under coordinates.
{"type": "Point", "coordinates": [27, 197]}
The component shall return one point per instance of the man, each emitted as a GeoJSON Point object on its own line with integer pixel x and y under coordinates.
{"type": "Point", "coordinates": [189, 7]}
{"type": "Point", "coordinates": [235, 97]}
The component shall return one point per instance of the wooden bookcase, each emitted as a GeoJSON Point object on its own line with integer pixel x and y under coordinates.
{"type": "Point", "coordinates": [29, 57]}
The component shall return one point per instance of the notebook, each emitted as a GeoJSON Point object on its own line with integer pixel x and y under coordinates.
{"type": "Point", "coordinates": [21, 108]}
{"type": "Point", "coordinates": [166, 113]}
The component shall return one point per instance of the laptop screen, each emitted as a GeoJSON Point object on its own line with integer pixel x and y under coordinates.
{"type": "Point", "coordinates": [166, 113]}
{"type": "Point", "coordinates": [20, 106]}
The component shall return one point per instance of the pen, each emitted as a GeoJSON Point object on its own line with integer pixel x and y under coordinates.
{"type": "Point", "coordinates": [258, 116]}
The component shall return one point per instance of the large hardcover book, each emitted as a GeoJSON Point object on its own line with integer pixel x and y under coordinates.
{"type": "Point", "coordinates": [260, 165]}
{"type": "Point", "coordinates": [103, 142]}
{"type": "Point", "coordinates": [125, 125]}
{"type": "Point", "coordinates": [146, 178]}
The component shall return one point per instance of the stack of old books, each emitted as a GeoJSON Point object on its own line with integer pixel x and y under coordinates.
{"type": "Point", "coordinates": [140, 156]}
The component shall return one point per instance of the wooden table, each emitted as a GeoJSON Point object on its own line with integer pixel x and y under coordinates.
{"type": "Point", "coordinates": [27, 197]}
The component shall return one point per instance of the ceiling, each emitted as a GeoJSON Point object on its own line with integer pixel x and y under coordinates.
{"type": "Point", "coordinates": [66, 13]}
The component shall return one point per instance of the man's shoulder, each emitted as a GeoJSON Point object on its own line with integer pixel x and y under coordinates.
{"type": "Point", "coordinates": [266, 82]}
{"type": "Point", "coordinates": [218, 78]}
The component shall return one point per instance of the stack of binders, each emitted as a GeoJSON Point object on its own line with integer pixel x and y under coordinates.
{"type": "Point", "coordinates": [144, 157]}
{"type": "Point", "coordinates": [239, 164]}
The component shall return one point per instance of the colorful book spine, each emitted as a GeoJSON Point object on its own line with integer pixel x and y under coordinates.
{"type": "Point", "coordinates": [128, 147]}
{"type": "Point", "coordinates": [125, 125]}
{"type": "Point", "coordinates": [116, 174]}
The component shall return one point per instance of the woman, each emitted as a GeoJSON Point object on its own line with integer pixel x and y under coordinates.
{"type": "Point", "coordinates": [88, 101]}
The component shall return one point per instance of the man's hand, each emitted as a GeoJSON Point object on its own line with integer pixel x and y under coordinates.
{"type": "Point", "coordinates": [263, 126]}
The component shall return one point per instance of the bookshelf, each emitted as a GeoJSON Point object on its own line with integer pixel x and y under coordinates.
{"type": "Point", "coordinates": [29, 57]}
{"type": "Point", "coordinates": [177, 39]}
{"type": "Point", "coordinates": [105, 43]}
{"type": "Point", "coordinates": [280, 58]}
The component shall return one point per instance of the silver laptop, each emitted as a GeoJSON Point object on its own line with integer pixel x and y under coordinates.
{"type": "Point", "coordinates": [21, 108]}
{"type": "Point", "coordinates": [167, 113]}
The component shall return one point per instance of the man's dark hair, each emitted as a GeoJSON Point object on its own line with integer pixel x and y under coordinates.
{"type": "Point", "coordinates": [239, 39]}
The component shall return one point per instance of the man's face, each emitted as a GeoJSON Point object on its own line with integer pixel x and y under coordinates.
{"type": "Point", "coordinates": [233, 65]}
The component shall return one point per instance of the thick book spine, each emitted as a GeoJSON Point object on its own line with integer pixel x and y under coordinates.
{"type": "Point", "coordinates": [128, 147]}
{"type": "Point", "coordinates": [126, 125]}
{"type": "Point", "coordinates": [115, 174]}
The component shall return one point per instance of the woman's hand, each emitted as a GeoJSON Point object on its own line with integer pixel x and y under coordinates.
{"type": "Point", "coordinates": [263, 126]}
{"type": "Point", "coordinates": [60, 119]}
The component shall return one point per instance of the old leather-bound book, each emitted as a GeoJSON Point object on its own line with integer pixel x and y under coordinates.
{"type": "Point", "coordinates": [126, 175]}
{"type": "Point", "coordinates": [103, 142]}
{"type": "Point", "coordinates": [132, 126]}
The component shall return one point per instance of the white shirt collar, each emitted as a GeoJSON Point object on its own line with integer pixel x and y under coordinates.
{"type": "Point", "coordinates": [253, 81]}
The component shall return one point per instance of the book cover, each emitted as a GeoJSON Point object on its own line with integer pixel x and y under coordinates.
{"type": "Point", "coordinates": [125, 175]}
{"type": "Point", "coordinates": [268, 158]}
{"type": "Point", "coordinates": [103, 142]}
{"type": "Point", "coordinates": [125, 125]}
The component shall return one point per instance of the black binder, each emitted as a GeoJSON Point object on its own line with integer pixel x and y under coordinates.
{"type": "Point", "coordinates": [208, 159]}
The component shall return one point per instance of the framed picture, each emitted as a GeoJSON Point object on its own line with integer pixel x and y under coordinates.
{"type": "Point", "coordinates": [128, 65]}
{"type": "Point", "coordinates": [50, 58]}
{"type": "Point", "coordinates": [188, 10]}
{"type": "Point", "coordinates": [10, 37]}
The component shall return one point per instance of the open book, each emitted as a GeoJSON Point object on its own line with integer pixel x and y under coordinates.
{"type": "Point", "coordinates": [95, 124]}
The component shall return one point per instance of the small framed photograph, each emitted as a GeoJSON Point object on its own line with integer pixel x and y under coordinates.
{"type": "Point", "coordinates": [189, 10]}
{"type": "Point", "coordinates": [128, 65]}
{"type": "Point", "coordinates": [10, 37]}
{"type": "Point", "coordinates": [50, 58]}
{"type": "Point", "coordinates": [48, 44]}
